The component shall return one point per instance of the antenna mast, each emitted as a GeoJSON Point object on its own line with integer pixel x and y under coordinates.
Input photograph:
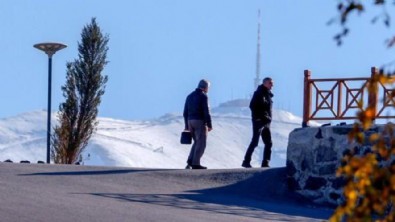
{"type": "Point", "coordinates": [257, 80]}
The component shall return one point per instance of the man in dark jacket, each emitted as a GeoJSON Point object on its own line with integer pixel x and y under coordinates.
{"type": "Point", "coordinates": [197, 120]}
{"type": "Point", "coordinates": [261, 110]}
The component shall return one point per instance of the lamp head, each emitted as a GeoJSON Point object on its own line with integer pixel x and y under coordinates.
{"type": "Point", "coordinates": [50, 48]}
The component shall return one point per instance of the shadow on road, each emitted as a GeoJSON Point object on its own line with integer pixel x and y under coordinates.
{"type": "Point", "coordinates": [227, 205]}
{"type": "Point", "coordinates": [264, 195]}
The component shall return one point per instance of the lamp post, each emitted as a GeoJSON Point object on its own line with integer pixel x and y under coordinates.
{"type": "Point", "coordinates": [50, 48]}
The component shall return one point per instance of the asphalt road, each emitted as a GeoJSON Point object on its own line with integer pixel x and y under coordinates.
{"type": "Point", "coordinates": [38, 192]}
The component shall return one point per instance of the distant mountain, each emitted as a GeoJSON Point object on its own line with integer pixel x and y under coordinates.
{"type": "Point", "coordinates": [151, 143]}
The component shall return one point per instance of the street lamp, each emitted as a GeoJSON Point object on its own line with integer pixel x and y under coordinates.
{"type": "Point", "coordinates": [50, 48]}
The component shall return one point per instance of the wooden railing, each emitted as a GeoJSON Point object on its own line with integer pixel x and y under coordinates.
{"type": "Point", "coordinates": [341, 96]}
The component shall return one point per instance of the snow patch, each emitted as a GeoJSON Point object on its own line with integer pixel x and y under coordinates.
{"type": "Point", "coordinates": [151, 143]}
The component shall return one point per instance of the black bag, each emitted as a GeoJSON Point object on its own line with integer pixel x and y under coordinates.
{"type": "Point", "coordinates": [186, 137]}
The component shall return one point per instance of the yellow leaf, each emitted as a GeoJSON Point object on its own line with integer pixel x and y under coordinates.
{"type": "Point", "coordinates": [374, 137]}
{"type": "Point", "coordinates": [352, 195]}
{"type": "Point", "coordinates": [370, 113]}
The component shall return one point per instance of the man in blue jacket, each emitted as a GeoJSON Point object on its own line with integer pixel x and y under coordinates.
{"type": "Point", "coordinates": [197, 120]}
{"type": "Point", "coordinates": [261, 110]}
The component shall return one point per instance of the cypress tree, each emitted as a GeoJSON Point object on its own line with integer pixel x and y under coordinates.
{"type": "Point", "coordinates": [85, 84]}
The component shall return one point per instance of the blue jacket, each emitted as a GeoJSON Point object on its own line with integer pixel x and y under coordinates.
{"type": "Point", "coordinates": [197, 108]}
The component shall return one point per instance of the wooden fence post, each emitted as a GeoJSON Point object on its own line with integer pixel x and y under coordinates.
{"type": "Point", "coordinates": [306, 98]}
{"type": "Point", "coordinates": [373, 96]}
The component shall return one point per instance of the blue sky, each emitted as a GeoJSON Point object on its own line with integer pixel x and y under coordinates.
{"type": "Point", "coordinates": [160, 49]}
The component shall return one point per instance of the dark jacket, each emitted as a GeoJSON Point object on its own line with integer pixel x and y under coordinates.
{"type": "Point", "coordinates": [197, 108]}
{"type": "Point", "coordinates": [261, 104]}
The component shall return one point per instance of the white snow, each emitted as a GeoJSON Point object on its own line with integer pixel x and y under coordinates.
{"type": "Point", "coordinates": [153, 143]}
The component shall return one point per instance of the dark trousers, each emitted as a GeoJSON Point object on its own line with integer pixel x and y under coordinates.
{"type": "Point", "coordinates": [259, 128]}
{"type": "Point", "coordinates": [199, 134]}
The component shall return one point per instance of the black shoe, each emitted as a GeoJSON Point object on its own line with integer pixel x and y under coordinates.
{"type": "Point", "coordinates": [265, 164]}
{"type": "Point", "coordinates": [189, 165]}
{"type": "Point", "coordinates": [198, 167]}
{"type": "Point", "coordinates": [246, 164]}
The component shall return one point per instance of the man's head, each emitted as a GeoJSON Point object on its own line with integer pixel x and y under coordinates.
{"type": "Point", "coordinates": [204, 85]}
{"type": "Point", "coordinates": [268, 83]}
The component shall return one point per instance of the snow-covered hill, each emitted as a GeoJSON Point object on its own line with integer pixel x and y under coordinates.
{"type": "Point", "coordinates": [153, 143]}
